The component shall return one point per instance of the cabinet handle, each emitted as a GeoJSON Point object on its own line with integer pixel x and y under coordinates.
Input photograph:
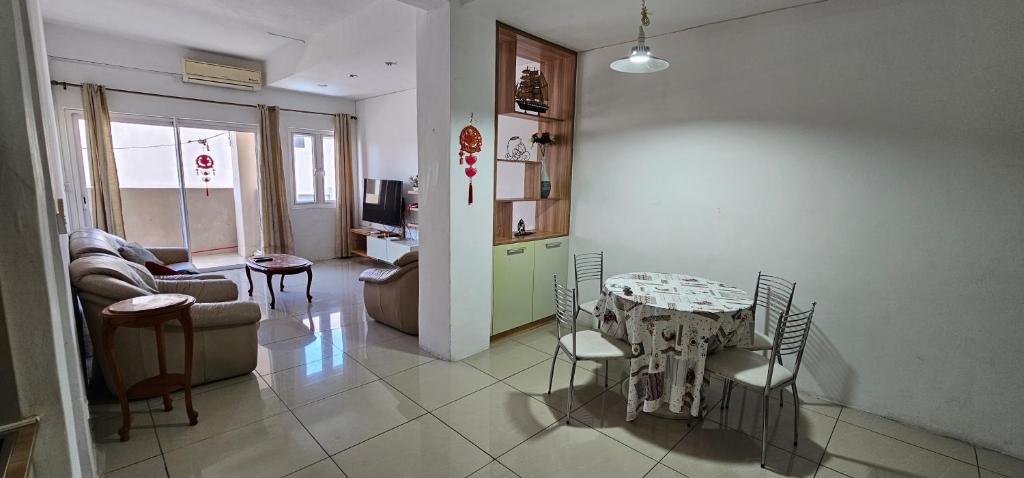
{"type": "Point", "coordinates": [553, 245]}
{"type": "Point", "coordinates": [518, 250]}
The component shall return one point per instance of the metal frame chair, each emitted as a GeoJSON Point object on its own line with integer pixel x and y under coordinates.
{"type": "Point", "coordinates": [771, 292]}
{"type": "Point", "coordinates": [588, 266]}
{"type": "Point", "coordinates": [754, 370]}
{"type": "Point", "coordinates": [589, 345]}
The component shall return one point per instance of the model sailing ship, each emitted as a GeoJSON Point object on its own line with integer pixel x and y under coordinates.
{"type": "Point", "coordinates": [531, 93]}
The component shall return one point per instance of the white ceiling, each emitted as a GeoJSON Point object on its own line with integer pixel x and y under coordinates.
{"type": "Point", "coordinates": [589, 24]}
{"type": "Point", "coordinates": [333, 39]}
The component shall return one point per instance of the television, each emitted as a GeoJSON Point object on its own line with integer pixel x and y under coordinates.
{"type": "Point", "coordinates": [382, 201]}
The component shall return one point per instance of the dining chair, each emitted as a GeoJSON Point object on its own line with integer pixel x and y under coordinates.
{"type": "Point", "coordinates": [587, 345]}
{"type": "Point", "coordinates": [775, 295]}
{"type": "Point", "coordinates": [750, 368]}
{"type": "Point", "coordinates": [588, 267]}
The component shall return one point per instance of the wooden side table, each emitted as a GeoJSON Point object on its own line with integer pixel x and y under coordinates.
{"type": "Point", "coordinates": [283, 265]}
{"type": "Point", "coordinates": [143, 312]}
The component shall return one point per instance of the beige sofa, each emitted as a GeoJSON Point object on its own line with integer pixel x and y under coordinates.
{"type": "Point", "coordinates": [225, 343]}
{"type": "Point", "coordinates": [86, 242]}
{"type": "Point", "coordinates": [392, 294]}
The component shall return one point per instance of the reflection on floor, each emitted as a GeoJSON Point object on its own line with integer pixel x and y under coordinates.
{"type": "Point", "coordinates": [335, 394]}
{"type": "Point", "coordinates": [218, 262]}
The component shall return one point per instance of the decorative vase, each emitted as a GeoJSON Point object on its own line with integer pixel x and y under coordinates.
{"type": "Point", "coordinates": [545, 180]}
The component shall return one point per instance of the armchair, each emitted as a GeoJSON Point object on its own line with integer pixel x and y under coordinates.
{"type": "Point", "coordinates": [391, 294]}
{"type": "Point", "coordinates": [224, 328]}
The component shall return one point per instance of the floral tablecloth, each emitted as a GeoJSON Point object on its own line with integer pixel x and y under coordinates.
{"type": "Point", "coordinates": [672, 322]}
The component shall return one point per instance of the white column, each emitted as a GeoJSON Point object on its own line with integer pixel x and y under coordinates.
{"type": "Point", "coordinates": [455, 78]}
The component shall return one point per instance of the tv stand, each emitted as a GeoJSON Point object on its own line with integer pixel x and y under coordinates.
{"type": "Point", "coordinates": [384, 246]}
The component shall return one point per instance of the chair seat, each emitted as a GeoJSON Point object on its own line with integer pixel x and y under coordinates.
{"type": "Point", "coordinates": [592, 345]}
{"type": "Point", "coordinates": [589, 306]}
{"type": "Point", "coordinates": [761, 342]}
{"type": "Point", "coordinates": [747, 367]}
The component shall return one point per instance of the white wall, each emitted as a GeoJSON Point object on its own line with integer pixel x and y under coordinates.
{"type": "Point", "coordinates": [387, 140]}
{"type": "Point", "coordinates": [872, 151]}
{"type": "Point", "coordinates": [83, 56]}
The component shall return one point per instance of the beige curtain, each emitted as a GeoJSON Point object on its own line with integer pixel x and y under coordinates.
{"type": "Point", "coordinates": [106, 191]}
{"type": "Point", "coordinates": [345, 182]}
{"type": "Point", "coordinates": [277, 227]}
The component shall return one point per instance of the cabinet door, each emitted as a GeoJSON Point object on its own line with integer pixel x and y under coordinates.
{"type": "Point", "coordinates": [551, 259]}
{"type": "Point", "coordinates": [513, 286]}
{"type": "Point", "coordinates": [377, 248]}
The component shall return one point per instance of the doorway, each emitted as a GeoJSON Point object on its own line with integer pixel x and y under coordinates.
{"type": "Point", "coordinates": [191, 184]}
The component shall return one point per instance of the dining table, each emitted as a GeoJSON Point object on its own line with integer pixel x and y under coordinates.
{"type": "Point", "coordinates": [672, 322]}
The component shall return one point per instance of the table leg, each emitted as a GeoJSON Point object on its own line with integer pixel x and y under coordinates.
{"type": "Point", "coordinates": [309, 283]}
{"type": "Point", "coordinates": [122, 396]}
{"type": "Point", "coordinates": [248, 275]}
{"type": "Point", "coordinates": [282, 282]}
{"type": "Point", "coordinates": [186, 327]}
{"type": "Point", "coordinates": [161, 358]}
{"type": "Point", "coordinates": [270, 288]}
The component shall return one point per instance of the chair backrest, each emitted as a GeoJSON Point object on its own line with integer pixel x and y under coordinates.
{"type": "Point", "coordinates": [588, 266]}
{"type": "Point", "coordinates": [565, 311]}
{"type": "Point", "coordinates": [791, 337]}
{"type": "Point", "coordinates": [774, 295]}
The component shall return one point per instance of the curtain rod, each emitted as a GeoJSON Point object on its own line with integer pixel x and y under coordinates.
{"type": "Point", "coordinates": [65, 85]}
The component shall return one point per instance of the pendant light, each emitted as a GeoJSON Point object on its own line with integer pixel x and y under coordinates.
{"type": "Point", "coordinates": [640, 59]}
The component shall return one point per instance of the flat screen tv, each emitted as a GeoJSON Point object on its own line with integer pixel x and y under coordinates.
{"type": "Point", "coordinates": [382, 201]}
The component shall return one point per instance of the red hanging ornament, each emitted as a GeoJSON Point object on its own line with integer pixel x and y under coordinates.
{"type": "Point", "coordinates": [470, 141]}
{"type": "Point", "coordinates": [205, 169]}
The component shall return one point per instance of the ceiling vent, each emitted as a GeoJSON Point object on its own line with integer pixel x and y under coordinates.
{"type": "Point", "coordinates": [204, 73]}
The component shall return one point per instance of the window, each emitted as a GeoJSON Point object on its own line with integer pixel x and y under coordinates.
{"type": "Point", "coordinates": [313, 165]}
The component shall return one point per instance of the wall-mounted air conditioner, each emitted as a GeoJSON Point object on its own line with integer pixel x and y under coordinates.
{"type": "Point", "coordinates": [205, 73]}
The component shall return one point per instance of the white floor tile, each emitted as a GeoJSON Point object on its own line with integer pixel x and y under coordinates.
{"type": "Point", "coordinates": [493, 470]}
{"type": "Point", "coordinates": [351, 417]}
{"type": "Point", "coordinates": [662, 471]}
{"type": "Point", "coordinates": [277, 356]}
{"type": "Point", "coordinates": [219, 411]}
{"type": "Point", "coordinates": [1000, 463]}
{"type": "Point", "coordinates": [318, 379]}
{"type": "Point", "coordinates": [713, 450]}
{"type": "Point", "coordinates": [575, 450]}
{"type": "Point", "coordinates": [915, 436]}
{"type": "Point", "coordinates": [269, 448]}
{"type": "Point", "coordinates": [498, 417]}
{"type": "Point", "coordinates": [436, 383]}
{"type": "Point", "coordinates": [392, 356]}
{"type": "Point", "coordinates": [325, 468]}
{"type": "Point", "coordinates": [506, 358]}
{"type": "Point", "coordinates": [111, 453]}
{"type": "Point", "coordinates": [650, 435]}
{"type": "Point", "coordinates": [534, 382]}
{"type": "Point", "coordinates": [744, 414]}
{"type": "Point", "coordinates": [859, 452]}
{"type": "Point", "coordinates": [151, 468]}
{"type": "Point", "coordinates": [422, 448]}
{"type": "Point", "coordinates": [276, 330]}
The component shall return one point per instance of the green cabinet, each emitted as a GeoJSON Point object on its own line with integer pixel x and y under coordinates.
{"type": "Point", "coordinates": [523, 281]}
{"type": "Point", "coordinates": [551, 258]}
{"type": "Point", "coordinates": [513, 286]}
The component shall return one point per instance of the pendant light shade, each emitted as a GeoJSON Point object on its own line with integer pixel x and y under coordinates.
{"type": "Point", "coordinates": [640, 59]}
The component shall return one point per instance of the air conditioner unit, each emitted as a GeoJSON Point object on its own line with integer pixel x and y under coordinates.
{"type": "Point", "coordinates": [204, 73]}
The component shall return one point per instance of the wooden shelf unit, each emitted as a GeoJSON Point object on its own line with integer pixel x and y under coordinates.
{"type": "Point", "coordinates": [558, 64]}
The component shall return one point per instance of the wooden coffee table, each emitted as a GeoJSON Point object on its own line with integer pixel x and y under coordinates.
{"type": "Point", "coordinates": [283, 265]}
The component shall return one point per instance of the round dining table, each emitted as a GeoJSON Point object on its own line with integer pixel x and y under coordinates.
{"type": "Point", "coordinates": [672, 322]}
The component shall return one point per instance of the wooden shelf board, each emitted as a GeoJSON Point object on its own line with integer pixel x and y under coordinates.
{"type": "Point", "coordinates": [538, 235]}
{"type": "Point", "coordinates": [517, 114]}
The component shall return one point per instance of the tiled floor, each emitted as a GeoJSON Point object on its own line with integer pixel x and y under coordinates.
{"type": "Point", "coordinates": [336, 394]}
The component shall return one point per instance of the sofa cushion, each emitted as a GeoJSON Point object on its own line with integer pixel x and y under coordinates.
{"type": "Point", "coordinates": [408, 258]}
{"type": "Point", "coordinates": [159, 269]}
{"type": "Point", "coordinates": [93, 241]}
{"type": "Point", "coordinates": [134, 252]}
{"type": "Point", "coordinates": [111, 268]}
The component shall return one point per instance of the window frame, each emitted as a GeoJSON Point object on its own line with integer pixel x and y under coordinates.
{"type": "Point", "coordinates": [319, 188]}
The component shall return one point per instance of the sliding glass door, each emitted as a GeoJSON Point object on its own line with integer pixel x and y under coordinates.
{"type": "Point", "coordinates": [185, 183]}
